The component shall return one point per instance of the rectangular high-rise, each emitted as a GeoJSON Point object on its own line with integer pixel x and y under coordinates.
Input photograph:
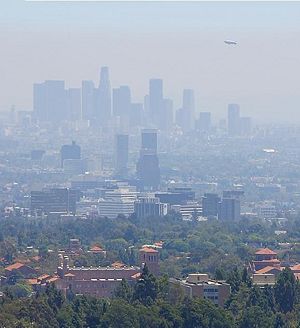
{"type": "Point", "coordinates": [122, 104]}
{"type": "Point", "coordinates": [233, 119]}
{"type": "Point", "coordinates": [148, 170]}
{"type": "Point", "coordinates": [49, 101]}
{"type": "Point", "coordinates": [210, 204]}
{"type": "Point", "coordinates": [204, 122]}
{"type": "Point", "coordinates": [54, 200]}
{"type": "Point", "coordinates": [73, 104]}
{"type": "Point", "coordinates": [88, 100]}
{"type": "Point", "coordinates": [229, 209]}
{"type": "Point", "coordinates": [121, 154]}
{"type": "Point", "coordinates": [72, 151]}
{"type": "Point", "coordinates": [155, 100]}
{"type": "Point", "coordinates": [185, 115]}
{"type": "Point", "coordinates": [103, 99]}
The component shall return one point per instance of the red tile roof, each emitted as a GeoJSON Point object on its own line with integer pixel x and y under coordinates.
{"type": "Point", "coordinates": [148, 250]}
{"type": "Point", "coordinates": [265, 251]}
{"type": "Point", "coordinates": [96, 249]}
{"type": "Point", "coordinates": [14, 266]}
{"type": "Point", "coordinates": [267, 269]}
{"type": "Point", "coordinates": [136, 276]}
{"type": "Point", "coordinates": [295, 267]}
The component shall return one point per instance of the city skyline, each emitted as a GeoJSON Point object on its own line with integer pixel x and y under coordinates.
{"type": "Point", "coordinates": [137, 49]}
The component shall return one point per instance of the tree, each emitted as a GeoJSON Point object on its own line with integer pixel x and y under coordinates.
{"type": "Point", "coordinates": [285, 290]}
{"type": "Point", "coordinates": [124, 291]}
{"type": "Point", "coordinates": [255, 317]}
{"type": "Point", "coordinates": [234, 280]}
{"type": "Point", "coordinates": [120, 314]}
{"type": "Point", "coordinates": [146, 288]}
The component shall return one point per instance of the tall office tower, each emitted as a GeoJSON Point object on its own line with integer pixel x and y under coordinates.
{"type": "Point", "coordinates": [88, 100]}
{"type": "Point", "coordinates": [146, 207]}
{"type": "Point", "coordinates": [204, 122]}
{"type": "Point", "coordinates": [136, 114]}
{"type": "Point", "coordinates": [39, 102]}
{"type": "Point", "coordinates": [74, 104]}
{"type": "Point", "coordinates": [122, 104]}
{"type": "Point", "coordinates": [155, 100]}
{"type": "Point", "coordinates": [148, 170]}
{"type": "Point", "coordinates": [54, 200]}
{"type": "Point", "coordinates": [233, 122]}
{"type": "Point", "coordinates": [210, 204]}
{"type": "Point", "coordinates": [121, 154]}
{"type": "Point", "coordinates": [166, 120]}
{"type": "Point", "coordinates": [229, 209]}
{"type": "Point", "coordinates": [72, 151]}
{"type": "Point", "coordinates": [185, 115]}
{"type": "Point", "coordinates": [103, 99]}
{"type": "Point", "coordinates": [50, 101]}
{"type": "Point", "coordinates": [246, 126]}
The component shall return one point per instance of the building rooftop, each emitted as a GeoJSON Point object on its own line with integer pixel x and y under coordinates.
{"type": "Point", "coordinates": [14, 266]}
{"type": "Point", "coordinates": [265, 251]}
{"type": "Point", "coordinates": [148, 250]}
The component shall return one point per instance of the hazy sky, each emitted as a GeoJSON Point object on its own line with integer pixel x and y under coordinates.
{"type": "Point", "coordinates": [181, 42]}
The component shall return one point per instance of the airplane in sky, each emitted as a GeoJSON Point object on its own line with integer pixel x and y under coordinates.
{"type": "Point", "coordinates": [230, 42]}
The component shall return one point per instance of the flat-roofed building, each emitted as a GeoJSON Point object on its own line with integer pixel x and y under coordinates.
{"type": "Point", "coordinates": [199, 285]}
{"type": "Point", "coordinates": [115, 202]}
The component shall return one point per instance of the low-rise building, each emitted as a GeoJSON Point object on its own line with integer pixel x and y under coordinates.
{"type": "Point", "coordinates": [199, 285]}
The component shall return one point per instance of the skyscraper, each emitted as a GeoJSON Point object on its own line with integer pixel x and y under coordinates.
{"type": "Point", "coordinates": [204, 122]}
{"type": "Point", "coordinates": [186, 114]}
{"type": "Point", "coordinates": [229, 209]}
{"type": "Point", "coordinates": [72, 151]}
{"type": "Point", "coordinates": [88, 100]}
{"type": "Point", "coordinates": [121, 154]}
{"type": "Point", "coordinates": [136, 114]}
{"type": "Point", "coordinates": [233, 119]}
{"type": "Point", "coordinates": [73, 102]}
{"type": "Point", "coordinates": [148, 165]}
{"type": "Point", "coordinates": [122, 104]}
{"type": "Point", "coordinates": [49, 101]}
{"type": "Point", "coordinates": [246, 126]}
{"type": "Point", "coordinates": [155, 100]}
{"type": "Point", "coordinates": [210, 204]}
{"type": "Point", "coordinates": [103, 99]}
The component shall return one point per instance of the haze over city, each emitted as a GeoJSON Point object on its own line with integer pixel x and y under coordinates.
{"type": "Point", "coordinates": [182, 43]}
{"type": "Point", "coordinates": [149, 164]}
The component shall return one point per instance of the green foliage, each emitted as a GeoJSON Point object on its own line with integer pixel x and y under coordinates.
{"type": "Point", "coordinates": [146, 288]}
{"type": "Point", "coordinates": [285, 290]}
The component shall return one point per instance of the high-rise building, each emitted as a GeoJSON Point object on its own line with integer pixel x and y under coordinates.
{"type": "Point", "coordinates": [136, 114]}
{"type": "Point", "coordinates": [204, 122]}
{"type": "Point", "coordinates": [88, 100]}
{"type": "Point", "coordinates": [185, 114]}
{"type": "Point", "coordinates": [155, 100]}
{"type": "Point", "coordinates": [229, 209]}
{"type": "Point", "coordinates": [73, 104]}
{"type": "Point", "coordinates": [166, 121]}
{"type": "Point", "coordinates": [49, 101]}
{"type": "Point", "coordinates": [148, 170]}
{"type": "Point", "coordinates": [122, 104]}
{"type": "Point", "coordinates": [72, 151]}
{"type": "Point", "coordinates": [103, 99]}
{"type": "Point", "coordinates": [146, 207]}
{"type": "Point", "coordinates": [233, 119]}
{"type": "Point", "coordinates": [246, 126]}
{"type": "Point", "coordinates": [39, 102]}
{"type": "Point", "coordinates": [54, 200]}
{"type": "Point", "coordinates": [210, 204]}
{"type": "Point", "coordinates": [121, 154]}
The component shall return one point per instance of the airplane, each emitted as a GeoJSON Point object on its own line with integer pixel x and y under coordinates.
{"type": "Point", "coordinates": [230, 42]}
